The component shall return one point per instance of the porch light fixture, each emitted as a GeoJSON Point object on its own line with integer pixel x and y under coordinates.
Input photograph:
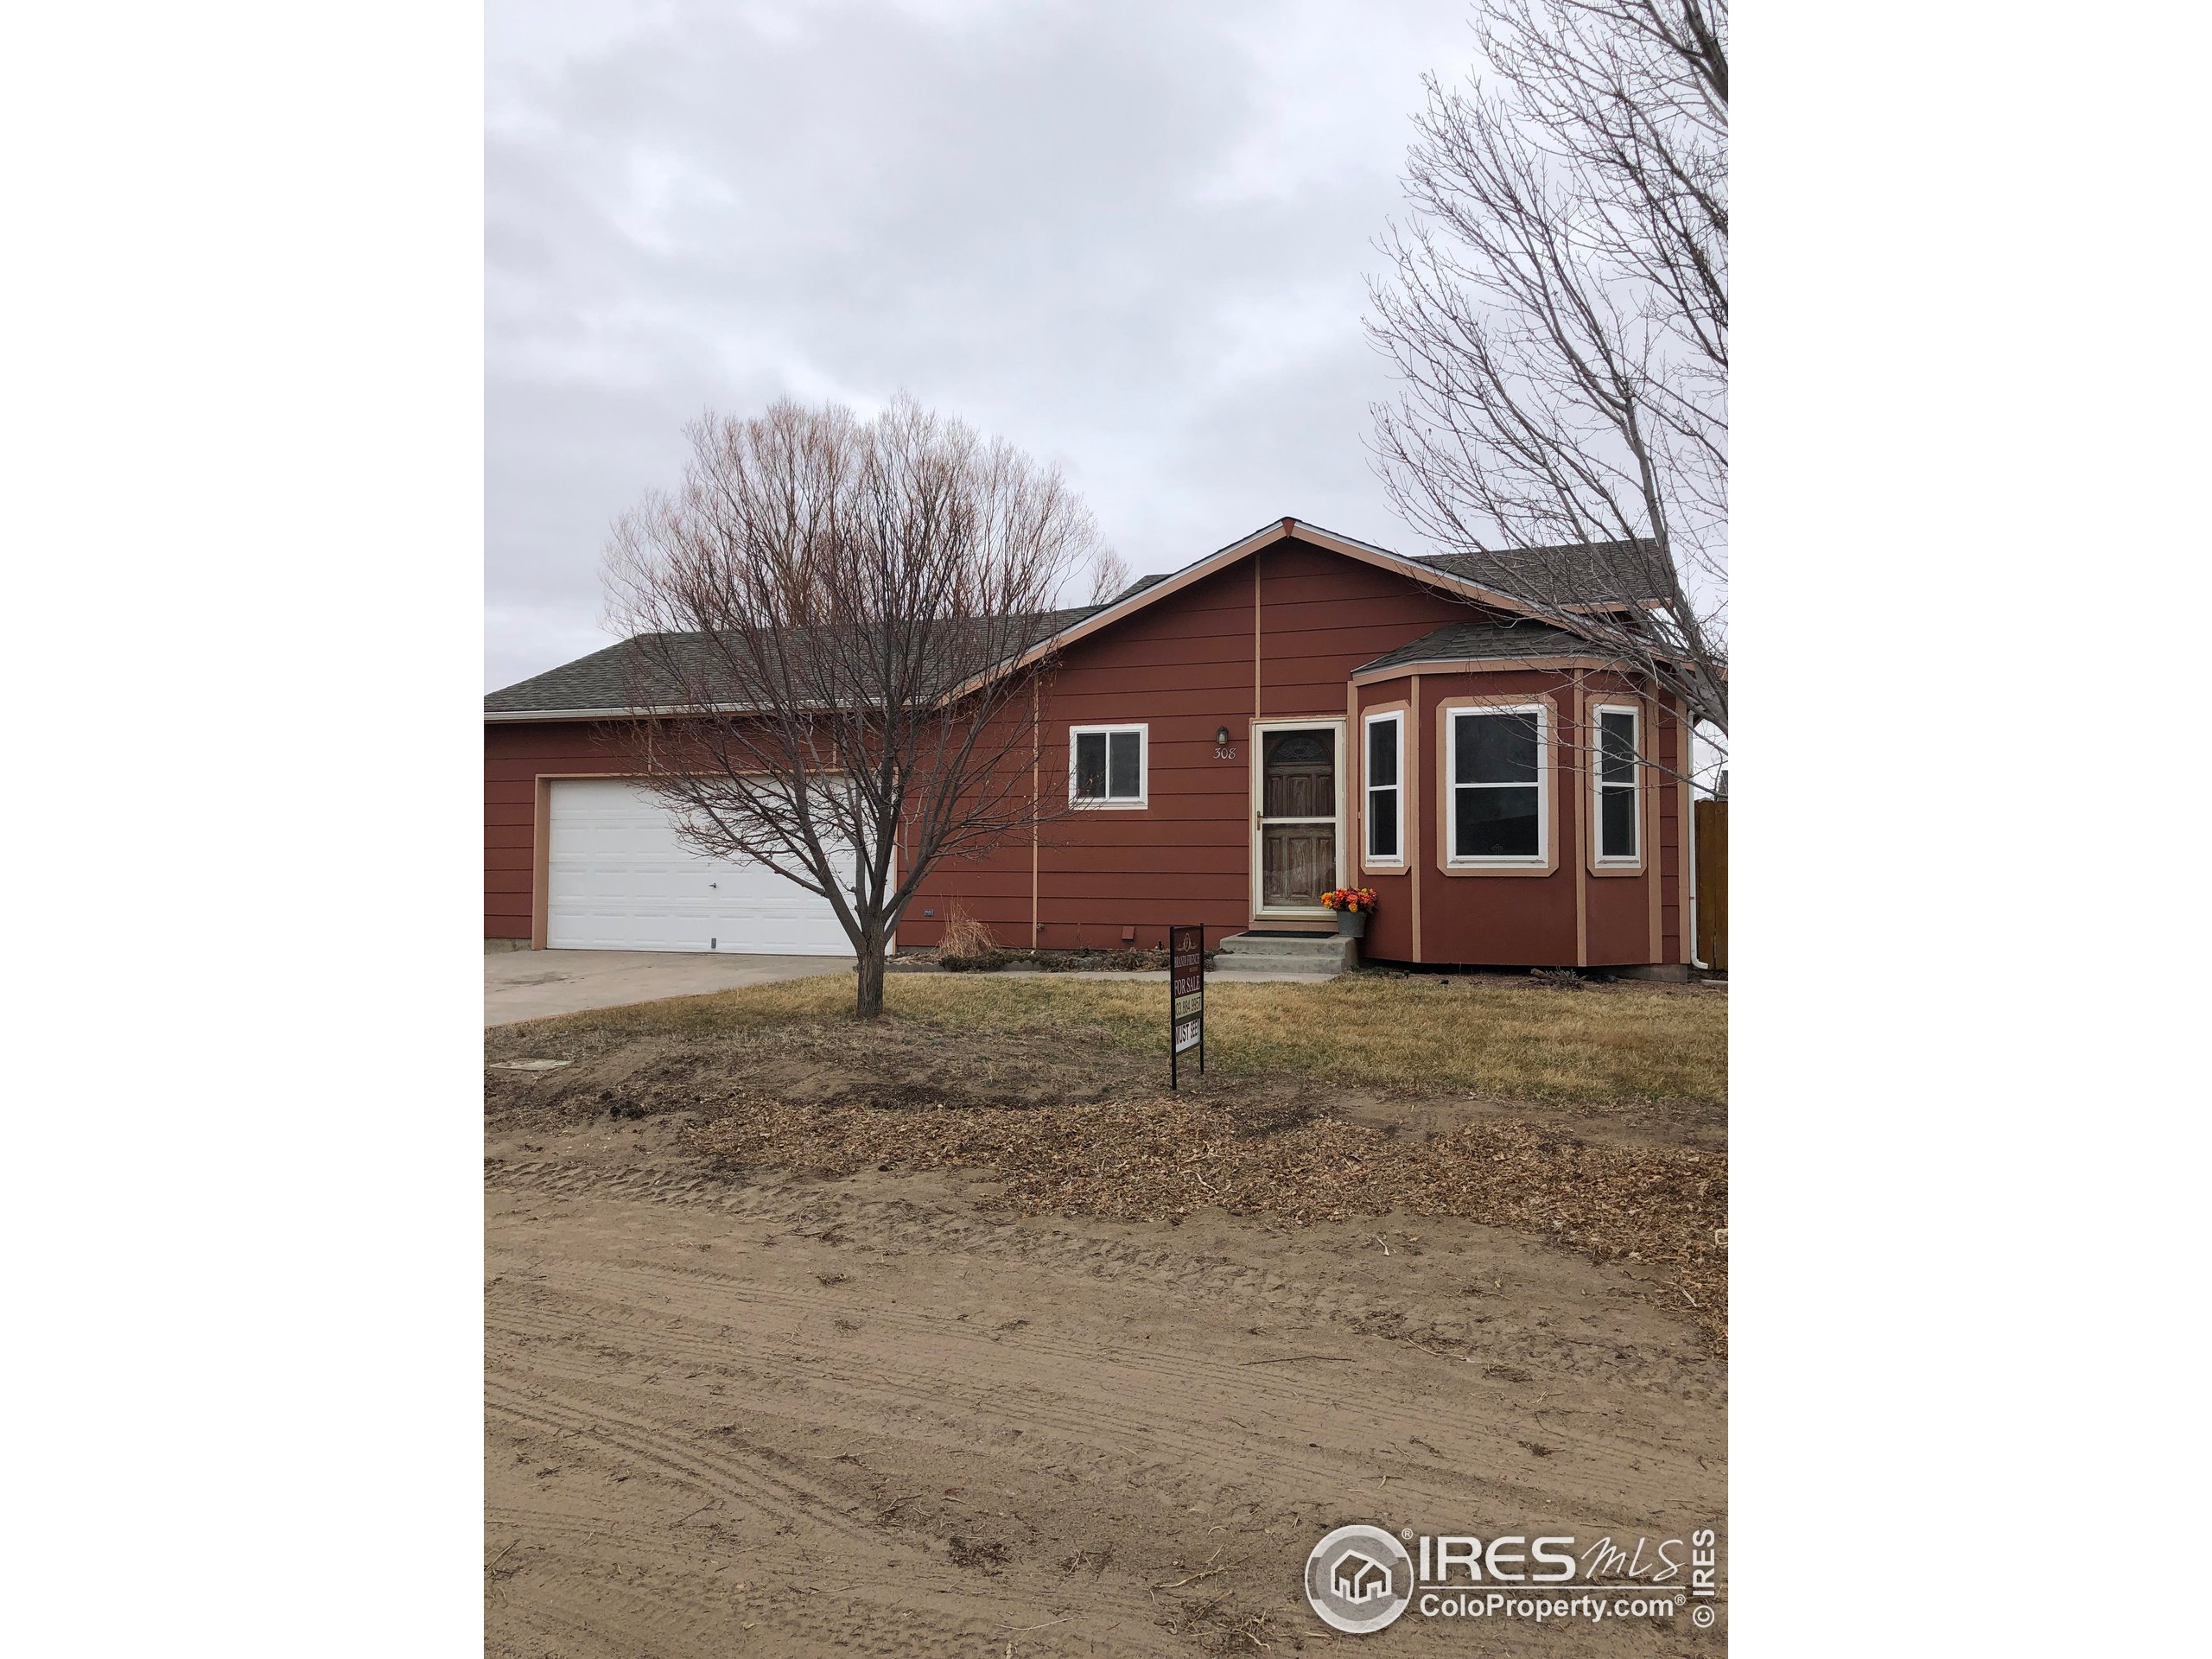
{"type": "Point", "coordinates": [1221, 737]}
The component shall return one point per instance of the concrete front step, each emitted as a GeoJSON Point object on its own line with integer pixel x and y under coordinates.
{"type": "Point", "coordinates": [1313, 953]}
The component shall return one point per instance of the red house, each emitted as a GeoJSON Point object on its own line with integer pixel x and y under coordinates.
{"type": "Point", "coordinates": [1296, 712]}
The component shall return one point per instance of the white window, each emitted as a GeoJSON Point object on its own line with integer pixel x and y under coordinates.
{"type": "Point", "coordinates": [1615, 773]}
{"type": "Point", "coordinates": [1386, 794]}
{"type": "Point", "coordinates": [1501, 792]}
{"type": "Point", "coordinates": [1107, 765]}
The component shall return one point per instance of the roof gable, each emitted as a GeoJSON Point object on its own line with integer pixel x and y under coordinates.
{"type": "Point", "coordinates": [1484, 579]}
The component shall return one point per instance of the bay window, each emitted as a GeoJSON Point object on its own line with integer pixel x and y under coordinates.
{"type": "Point", "coordinates": [1500, 787]}
{"type": "Point", "coordinates": [1615, 776]}
{"type": "Point", "coordinates": [1385, 814]}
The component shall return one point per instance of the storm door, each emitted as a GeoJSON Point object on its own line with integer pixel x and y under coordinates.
{"type": "Point", "coordinates": [1297, 815]}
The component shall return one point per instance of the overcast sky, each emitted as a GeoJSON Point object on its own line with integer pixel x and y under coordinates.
{"type": "Point", "coordinates": [1131, 238]}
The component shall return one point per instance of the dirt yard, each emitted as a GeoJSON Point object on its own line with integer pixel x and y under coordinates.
{"type": "Point", "coordinates": [960, 1335]}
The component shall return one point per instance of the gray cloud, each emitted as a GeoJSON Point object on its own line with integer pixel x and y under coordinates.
{"type": "Point", "coordinates": [1128, 237]}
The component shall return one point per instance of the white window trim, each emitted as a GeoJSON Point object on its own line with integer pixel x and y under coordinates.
{"type": "Point", "coordinates": [1601, 859]}
{"type": "Point", "coordinates": [1144, 769]}
{"type": "Point", "coordinates": [1454, 859]}
{"type": "Point", "coordinates": [1367, 788]}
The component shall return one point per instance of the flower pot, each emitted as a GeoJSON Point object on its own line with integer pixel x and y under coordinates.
{"type": "Point", "coordinates": [1352, 924]}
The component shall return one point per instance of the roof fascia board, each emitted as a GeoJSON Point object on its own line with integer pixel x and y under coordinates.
{"type": "Point", "coordinates": [1469, 665]}
{"type": "Point", "coordinates": [1384, 558]}
{"type": "Point", "coordinates": [506, 715]}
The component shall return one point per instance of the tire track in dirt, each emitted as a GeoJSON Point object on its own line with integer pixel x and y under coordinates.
{"type": "Point", "coordinates": [590, 1608]}
{"type": "Point", "coordinates": [745, 1501]}
{"type": "Point", "coordinates": [685, 1460]}
{"type": "Point", "coordinates": [1680, 1367]}
{"type": "Point", "coordinates": [1115, 1376]}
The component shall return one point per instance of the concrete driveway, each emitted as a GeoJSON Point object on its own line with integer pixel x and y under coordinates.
{"type": "Point", "coordinates": [532, 984]}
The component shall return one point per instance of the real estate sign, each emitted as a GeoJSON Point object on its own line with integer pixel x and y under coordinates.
{"type": "Point", "coordinates": [1186, 991]}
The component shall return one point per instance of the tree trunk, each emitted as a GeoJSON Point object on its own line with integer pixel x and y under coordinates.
{"type": "Point", "coordinates": [871, 980]}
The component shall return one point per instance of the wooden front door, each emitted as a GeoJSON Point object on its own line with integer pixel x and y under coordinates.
{"type": "Point", "coordinates": [1298, 816]}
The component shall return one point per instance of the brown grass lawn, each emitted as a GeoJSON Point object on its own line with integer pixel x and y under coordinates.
{"type": "Point", "coordinates": [1482, 1037]}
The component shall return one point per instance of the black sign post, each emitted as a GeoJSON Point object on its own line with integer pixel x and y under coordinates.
{"type": "Point", "coordinates": [1187, 999]}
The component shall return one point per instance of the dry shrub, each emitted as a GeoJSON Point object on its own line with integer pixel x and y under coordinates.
{"type": "Point", "coordinates": [1115, 961]}
{"type": "Point", "coordinates": [963, 935]}
{"type": "Point", "coordinates": [966, 944]}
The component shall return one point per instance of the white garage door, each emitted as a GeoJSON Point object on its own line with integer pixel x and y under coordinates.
{"type": "Point", "coordinates": [618, 880]}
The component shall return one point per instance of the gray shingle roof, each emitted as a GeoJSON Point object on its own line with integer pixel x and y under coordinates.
{"type": "Point", "coordinates": [1623, 572]}
{"type": "Point", "coordinates": [1482, 642]}
{"type": "Point", "coordinates": [600, 680]}
{"type": "Point", "coordinates": [1136, 587]}
{"type": "Point", "coordinates": [606, 680]}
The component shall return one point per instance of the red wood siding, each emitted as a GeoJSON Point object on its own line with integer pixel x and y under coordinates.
{"type": "Point", "coordinates": [515, 754]}
{"type": "Point", "coordinates": [1184, 667]}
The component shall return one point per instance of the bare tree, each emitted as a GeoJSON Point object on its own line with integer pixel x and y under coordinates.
{"type": "Point", "coordinates": [1558, 316]}
{"type": "Point", "coordinates": [820, 618]}
{"type": "Point", "coordinates": [1109, 576]}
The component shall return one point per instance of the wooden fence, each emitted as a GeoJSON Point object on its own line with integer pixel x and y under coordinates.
{"type": "Point", "coordinates": [1712, 827]}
